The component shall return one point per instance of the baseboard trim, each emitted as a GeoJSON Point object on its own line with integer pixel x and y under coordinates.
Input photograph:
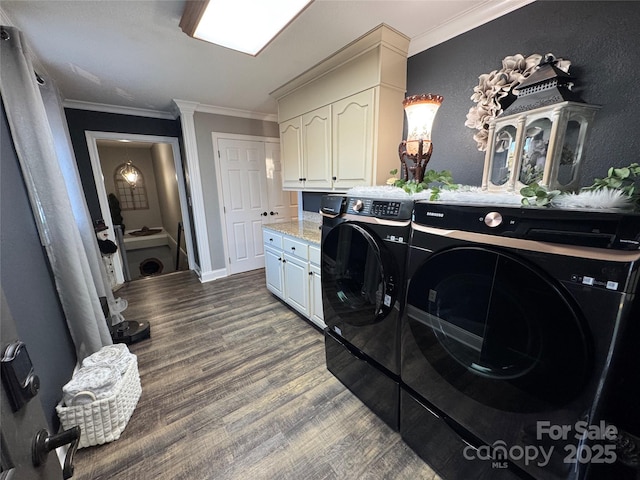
{"type": "Point", "coordinates": [213, 275]}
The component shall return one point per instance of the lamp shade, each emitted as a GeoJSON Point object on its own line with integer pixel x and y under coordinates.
{"type": "Point", "coordinates": [421, 111]}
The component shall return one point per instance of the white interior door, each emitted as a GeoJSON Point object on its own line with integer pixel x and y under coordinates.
{"type": "Point", "coordinates": [245, 200]}
{"type": "Point", "coordinates": [283, 205]}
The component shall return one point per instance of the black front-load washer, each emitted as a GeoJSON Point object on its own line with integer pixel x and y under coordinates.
{"type": "Point", "coordinates": [364, 248]}
{"type": "Point", "coordinates": [513, 334]}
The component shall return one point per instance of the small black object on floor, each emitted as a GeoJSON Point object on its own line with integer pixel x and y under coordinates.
{"type": "Point", "coordinates": [129, 332]}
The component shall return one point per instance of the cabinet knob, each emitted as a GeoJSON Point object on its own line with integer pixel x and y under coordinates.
{"type": "Point", "coordinates": [300, 179]}
{"type": "Point", "coordinates": [334, 178]}
{"type": "Point", "coordinates": [293, 248]}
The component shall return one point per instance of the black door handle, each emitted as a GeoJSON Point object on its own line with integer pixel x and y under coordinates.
{"type": "Point", "coordinates": [273, 213]}
{"type": "Point", "coordinates": [264, 214]}
{"type": "Point", "coordinates": [43, 443]}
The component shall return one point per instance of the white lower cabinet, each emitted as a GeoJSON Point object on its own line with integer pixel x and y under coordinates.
{"type": "Point", "coordinates": [296, 280]}
{"type": "Point", "coordinates": [273, 270]}
{"type": "Point", "coordinates": [292, 269]}
{"type": "Point", "coordinates": [316, 314]}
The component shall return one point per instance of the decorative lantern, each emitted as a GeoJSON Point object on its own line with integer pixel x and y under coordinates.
{"type": "Point", "coordinates": [540, 137]}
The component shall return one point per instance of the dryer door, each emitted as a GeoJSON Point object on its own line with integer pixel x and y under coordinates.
{"type": "Point", "coordinates": [357, 277]}
{"type": "Point", "coordinates": [497, 329]}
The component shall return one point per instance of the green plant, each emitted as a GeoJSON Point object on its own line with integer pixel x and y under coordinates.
{"type": "Point", "coordinates": [537, 195]}
{"type": "Point", "coordinates": [622, 179]}
{"type": "Point", "coordinates": [433, 180]}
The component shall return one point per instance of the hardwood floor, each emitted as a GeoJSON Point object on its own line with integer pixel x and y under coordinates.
{"type": "Point", "coordinates": [234, 386]}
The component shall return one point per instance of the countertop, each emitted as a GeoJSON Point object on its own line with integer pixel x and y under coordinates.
{"type": "Point", "coordinates": [304, 229]}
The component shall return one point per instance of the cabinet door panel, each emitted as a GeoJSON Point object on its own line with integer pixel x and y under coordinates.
{"type": "Point", "coordinates": [274, 271]}
{"type": "Point", "coordinates": [291, 150]}
{"type": "Point", "coordinates": [316, 314]}
{"type": "Point", "coordinates": [353, 139]}
{"type": "Point", "coordinates": [296, 288]}
{"type": "Point", "coordinates": [316, 148]}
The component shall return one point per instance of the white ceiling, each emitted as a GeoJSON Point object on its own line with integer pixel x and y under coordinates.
{"type": "Point", "coordinates": [132, 54]}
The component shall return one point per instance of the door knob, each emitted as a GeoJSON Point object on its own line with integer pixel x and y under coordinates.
{"type": "Point", "coordinates": [43, 443]}
{"type": "Point", "coordinates": [264, 214]}
{"type": "Point", "coordinates": [273, 213]}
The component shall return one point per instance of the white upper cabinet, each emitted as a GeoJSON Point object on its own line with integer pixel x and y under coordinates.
{"type": "Point", "coordinates": [316, 148]}
{"type": "Point", "coordinates": [341, 121]}
{"type": "Point", "coordinates": [353, 130]}
{"type": "Point", "coordinates": [291, 151]}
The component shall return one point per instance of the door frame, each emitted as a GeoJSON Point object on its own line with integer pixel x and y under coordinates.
{"type": "Point", "coordinates": [216, 137]}
{"type": "Point", "coordinates": [92, 137]}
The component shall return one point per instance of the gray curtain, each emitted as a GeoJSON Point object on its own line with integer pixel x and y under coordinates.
{"type": "Point", "coordinates": [41, 140]}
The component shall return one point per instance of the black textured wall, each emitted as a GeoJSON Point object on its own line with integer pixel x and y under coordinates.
{"type": "Point", "coordinates": [602, 40]}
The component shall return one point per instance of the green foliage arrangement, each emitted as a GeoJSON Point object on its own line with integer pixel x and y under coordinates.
{"type": "Point", "coordinates": [433, 180]}
{"type": "Point", "coordinates": [537, 195]}
{"type": "Point", "coordinates": [622, 179]}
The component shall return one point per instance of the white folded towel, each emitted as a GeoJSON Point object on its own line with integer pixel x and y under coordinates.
{"type": "Point", "coordinates": [90, 383]}
{"type": "Point", "coordinates": [116, 355]}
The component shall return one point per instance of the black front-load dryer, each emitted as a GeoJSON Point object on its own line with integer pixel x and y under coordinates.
{"type": "Point", "coordinates": [364, 249]}
{"type": "Point", "coordinates": [511, 338]}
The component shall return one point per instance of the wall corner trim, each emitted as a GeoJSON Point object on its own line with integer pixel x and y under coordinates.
{"type": "Point", "coordinates": [187, 109]}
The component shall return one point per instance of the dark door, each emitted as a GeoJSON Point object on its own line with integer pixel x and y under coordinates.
{"type": "Point", "coordinates": [361, 291]}
{"type": "Point", "coordinates": [498, 330]}
{"type": "Point", "coordinates": [358, 277]}
{"type": "Point", "coordinates": [20, 426]}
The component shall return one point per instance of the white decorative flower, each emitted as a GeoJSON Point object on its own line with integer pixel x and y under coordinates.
{"type": "Point", "coordinates": [494, 88]}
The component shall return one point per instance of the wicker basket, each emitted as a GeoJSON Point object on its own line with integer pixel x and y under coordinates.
{"type": "Point", "coordinates": [102, 421]}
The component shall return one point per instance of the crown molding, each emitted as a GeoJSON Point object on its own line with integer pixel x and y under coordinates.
{"type": "Point", "coordinates": [105, 108]}
{"type": "Point", "coordinates": [468, 20]}
{"type": "Point", "coordinates": [175, 113]}
{"type": "Point", "coordinates": [233, 112]}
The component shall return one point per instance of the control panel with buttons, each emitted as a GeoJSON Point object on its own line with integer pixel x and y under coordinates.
{"type": "Point", "coordinates": [380, 208]}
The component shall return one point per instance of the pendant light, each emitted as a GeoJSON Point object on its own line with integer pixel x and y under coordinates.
{"type": "Point", "coordinates": [130, 173]}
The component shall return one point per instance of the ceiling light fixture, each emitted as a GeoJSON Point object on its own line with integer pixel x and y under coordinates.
{"type": "Point", "coordinates": [243, 25]}
{"type": "Point", "coordinates": [129, 172]}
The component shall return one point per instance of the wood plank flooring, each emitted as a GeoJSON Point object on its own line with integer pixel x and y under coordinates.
{"type": "Point", "coordinates": [235, 386]}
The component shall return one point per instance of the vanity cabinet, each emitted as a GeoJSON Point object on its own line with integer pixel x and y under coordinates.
{"type": "Point", "coordinates": [341, 121]}
{"type": "Point", "coordinates": [292, 270]}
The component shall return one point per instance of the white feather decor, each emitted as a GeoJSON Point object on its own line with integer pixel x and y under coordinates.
{"type": "Point", "coordinates": [605, 198]}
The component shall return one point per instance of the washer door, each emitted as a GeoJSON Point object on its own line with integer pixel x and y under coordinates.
{"type": "Point", "coordinates": [356, 275]}
{"type": "Point", "coordinates": [499, 330]}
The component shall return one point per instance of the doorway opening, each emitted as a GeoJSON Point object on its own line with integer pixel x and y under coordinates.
{"type": "Point", "coordinates": [143, 200]}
